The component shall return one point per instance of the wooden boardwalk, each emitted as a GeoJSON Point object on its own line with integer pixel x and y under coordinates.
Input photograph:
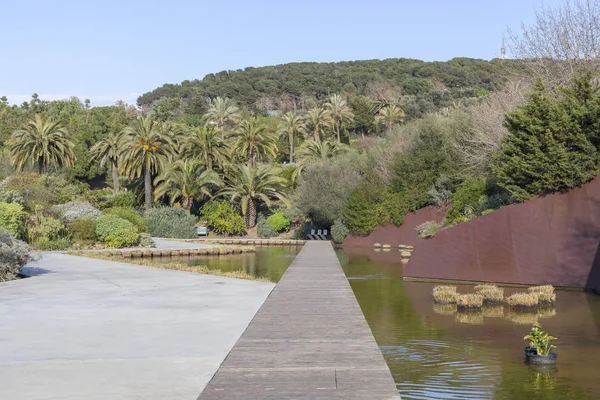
{"type": "Point", "coordinates": [309, 340]}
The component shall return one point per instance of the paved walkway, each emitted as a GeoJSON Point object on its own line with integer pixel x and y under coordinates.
{"type": "Point", "coordinates": [93, 329]}
{"type": "Point", "coordinates": [309, 340]}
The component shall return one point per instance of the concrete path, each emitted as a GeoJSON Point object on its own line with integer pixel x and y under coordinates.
{"type": "Point", "coordinates": [309, 340]}
{"type": "Point", "coordinates": [93, 329]}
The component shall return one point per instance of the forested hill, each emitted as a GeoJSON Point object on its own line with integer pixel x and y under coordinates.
{"type": "Point", "coordinates": [276, 87]}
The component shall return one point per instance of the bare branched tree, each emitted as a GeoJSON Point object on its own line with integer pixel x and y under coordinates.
{"type": "Point", "coordinates": [475, 146]}
{"type": "Point", "coordinates": [561, 41]}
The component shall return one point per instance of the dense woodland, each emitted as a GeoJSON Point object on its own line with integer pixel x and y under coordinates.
{"type": "Point", "coordinates": [282, 150]}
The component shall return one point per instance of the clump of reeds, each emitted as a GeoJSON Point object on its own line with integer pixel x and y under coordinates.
{"type": "Point", "coordinates": [469, 301]}
{"type": "Point", "coordinates": [523, 300]}
{"type": "Point", "coordinates": [546, 299]}
{"type": "Point", "coordinates": [542, 289]}
{"type": "Point", "coordinates": [473, 318]}
{"type": "Point", "coordinates": [493, 311]}
{"type": "Point", "coordinates": [445, 309]}
{"type": "Point", "coordinates": [445, 294]}
{"type": "Point", "coordinates": [492, 294]}
{"type": "Point", "coordinates": [522, 318]}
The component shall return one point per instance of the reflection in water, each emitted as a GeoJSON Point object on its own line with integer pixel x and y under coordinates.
{"type": "Point", "coordinates": [268, 262]}
{"type": "Point", "coordinates": [435, 352]}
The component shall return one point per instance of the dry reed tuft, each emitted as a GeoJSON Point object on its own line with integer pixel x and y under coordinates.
{"type": "Point", "coordinates": [445, 297]}
{"type": "Point", "coordinates": [492, 294]}
{"type": "Point", "coordinates": [546, 299]}
{"type": "Point", "coordinates": [541, 289]}
{"type": "Point", "coordinates": [523, 300]}
{"type": "Point", "coordinates": [443, 288]}
{"type": "Point", "coordinates": [469, 301]}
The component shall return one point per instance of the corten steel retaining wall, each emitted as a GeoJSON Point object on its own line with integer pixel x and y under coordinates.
{"type": "Point", "coordinates": [396, 235]}
{"type": "Point", "coordinates": [554, 239]}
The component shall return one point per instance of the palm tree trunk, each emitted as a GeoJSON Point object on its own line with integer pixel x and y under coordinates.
{"type": "Point", "coordinates": [317, 138]}
{"type": "Point", "coordinates": [148, 188]}
{"type": "Point", "coordinates": [251, 214]}
{"type": "Point", "coordinates": [40, 165]}
{"type": "Point", "coordinates": [188, 204]}
{"type": "Point", "coordinates": [291, 148]}
{"type": "Point", "coordinates": [337, 132]}
{"type": "Point", "coordinates": [115, 176]}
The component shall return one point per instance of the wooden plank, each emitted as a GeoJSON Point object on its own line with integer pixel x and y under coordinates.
{"type": "Point", "coordinates": [309, 340]}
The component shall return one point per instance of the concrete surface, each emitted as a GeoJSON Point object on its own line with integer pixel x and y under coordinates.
{"type": "Point", "coordinates": [91, 329]}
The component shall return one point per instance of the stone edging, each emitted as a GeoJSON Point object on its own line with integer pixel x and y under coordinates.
{"type": "Point", "coordinates": [148, 253]}
{"type": "Point", "coordinates": [253, 242]}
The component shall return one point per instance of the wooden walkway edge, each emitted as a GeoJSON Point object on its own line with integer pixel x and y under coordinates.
{"type": "Point", "coordinates": [309, 340]}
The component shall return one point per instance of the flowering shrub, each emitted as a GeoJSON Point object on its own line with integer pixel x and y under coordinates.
{"type": "Point", "coordinates": [339, 231]}
{"type": "Point", "coordinates": [75, 210]}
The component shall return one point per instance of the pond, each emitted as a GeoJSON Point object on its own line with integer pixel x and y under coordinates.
{"type": "Point", "coordinates": [437, 353]}
{"type": "Point", "coordinates": [269, 262]}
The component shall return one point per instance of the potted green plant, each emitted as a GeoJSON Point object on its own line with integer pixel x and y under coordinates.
{"type": "Point", "coordinates": [539, 350]}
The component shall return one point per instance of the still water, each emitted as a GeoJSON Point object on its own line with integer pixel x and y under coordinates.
{"type": "Point", "coordinates": [436, 353]}
{"type": "Point", "coordinates": [268, 262]}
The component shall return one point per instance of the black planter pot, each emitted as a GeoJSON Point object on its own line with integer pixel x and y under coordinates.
{"type": "Point", "coordinates": [532, 357]}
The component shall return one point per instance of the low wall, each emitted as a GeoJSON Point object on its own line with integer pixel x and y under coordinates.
{"type": "Point", "coordinates": [553, 239]}
{"type": "Point", "coordinates": [397, 235]}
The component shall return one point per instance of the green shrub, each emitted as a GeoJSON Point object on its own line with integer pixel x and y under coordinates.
{"type": "Point", "coordinates": [302, 232]}
{"type": "Point", "coordinates": [45, 190]}
{"type": "Point", "coordinates": [553, 143]}
{"type": "Point", "coordinates": [130, 215]}
{"type": "Point", "coordinates": [43, 243]}
{"type": "Point", "coordinates": [74, 210]}
{"type": "Point", "coordinates": [13, 255]}
{"type": "Point", "coordinates": [468, 199]}
{"type": "Point", "coordinates": [221, 219]}
{"type": "Point", "coordinates": [41, 225]}
{"type": "Point", "coordinates": [488, 211]}
{"type": "Point", "coordinates": [83, 230]}
{"type": "Point", "coordinates": [116, 232]}
{"type": "Point", "coordinates": [170, 222]}
{"type": "Point", "coordinates": [104, 199]}
{"type": "Point", "coordinates": [339, 231]}
{"type": "Point", "coordinates": [12, 218]}
{"type": "Point", "coordinates": [264, 229]}
{"type": "Point", "coordinates": [278, 222]}
{"type": "Point", "coordinates": [427, 229]}
{"type": "Point", "coordinates": [12, 196]}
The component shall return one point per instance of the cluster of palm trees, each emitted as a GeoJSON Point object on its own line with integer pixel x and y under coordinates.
{"type": "Point", "coordinates": [227, 155]}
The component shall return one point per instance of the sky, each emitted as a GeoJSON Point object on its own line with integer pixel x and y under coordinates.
{"type": "Point", "coordinates": [116, 50]}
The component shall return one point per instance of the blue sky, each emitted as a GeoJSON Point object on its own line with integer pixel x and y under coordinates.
{"type": "Point", "coordinates": [109, 50]}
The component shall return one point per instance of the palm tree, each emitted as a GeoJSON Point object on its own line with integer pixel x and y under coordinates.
{"type": "Point", "coordinates": [109, 150]}
{"type": "Point", "coordinates": [223, 113]}
{"type": "Point", "coordinates": [340, 113]}
{"type": "Point", "coordinates": [185, 180]}
{"type": "Point", "coordinates": [318, 117]}
{"type": "Point", "coordinates": [148, 145]}
{"type": "Point", "coordinates": [253, 140]}
{"type": "Point", "coordinates": [206, 144]}
{"type": "Point", "coordinates": [41, 142]}
{"type": "Point", "coordinates": [250, 185]}
{"type": "Point", "coordinates": [291, 126]}
{"type": "Point", "coordinates": [313, 150]}
{"type": "Point", "coordinates": [390, 115]}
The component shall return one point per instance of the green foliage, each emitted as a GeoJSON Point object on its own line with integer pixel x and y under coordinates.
{"type": "Point", "coordinates": [278, 222]}
{"type": "Point", "coordinates": [146, 240]}
{"type": "Point", "coordinates": [554, 140]}
{"type": "Point", "coordinates": [539, 341]}
{"type": "Point", "coordinates": [12, 218]}
{"type": "Point", "coordinates": [44, 243]}
{"type": "Point", "coordinates": [103, 199]}
{"type": "Point", "coordinates": [339, 231]}
{"type": "Point", "coordinates": [115, 231]}
{"type": "Point", "coordinates": [221, 219]}
{"type": "Point", "coordinates": [75, 210]}
{"type": "Point", "coordinates": [12, 196]}
{"type": "Point", "coordinates": [170, 222]}
{"type": "Point", "coordinates": [42, 225]}
{"type": "Point", "coordinates": [130, 215]}
{"type": "Point", "coordinates": [83, 230]}
{"type": "Point", "coordinates": [13, 255]}
{"type": "Point", "coordinates": [45, 190]}
{"type": "Point", "coordinates": [427, 229]}
{"type": "Point", "coordinates": [467, 198]}
{"type": "Point", "coordinates": [263, 229]}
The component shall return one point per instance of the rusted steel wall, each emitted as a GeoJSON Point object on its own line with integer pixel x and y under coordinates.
{"type": "Point", "coordinates": [552, 239]}
{"type": "Point", "coordinates": [395, 235]}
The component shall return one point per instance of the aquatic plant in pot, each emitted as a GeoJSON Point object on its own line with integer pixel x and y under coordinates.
{"type": "Point", "coordinates": [539, 350]}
